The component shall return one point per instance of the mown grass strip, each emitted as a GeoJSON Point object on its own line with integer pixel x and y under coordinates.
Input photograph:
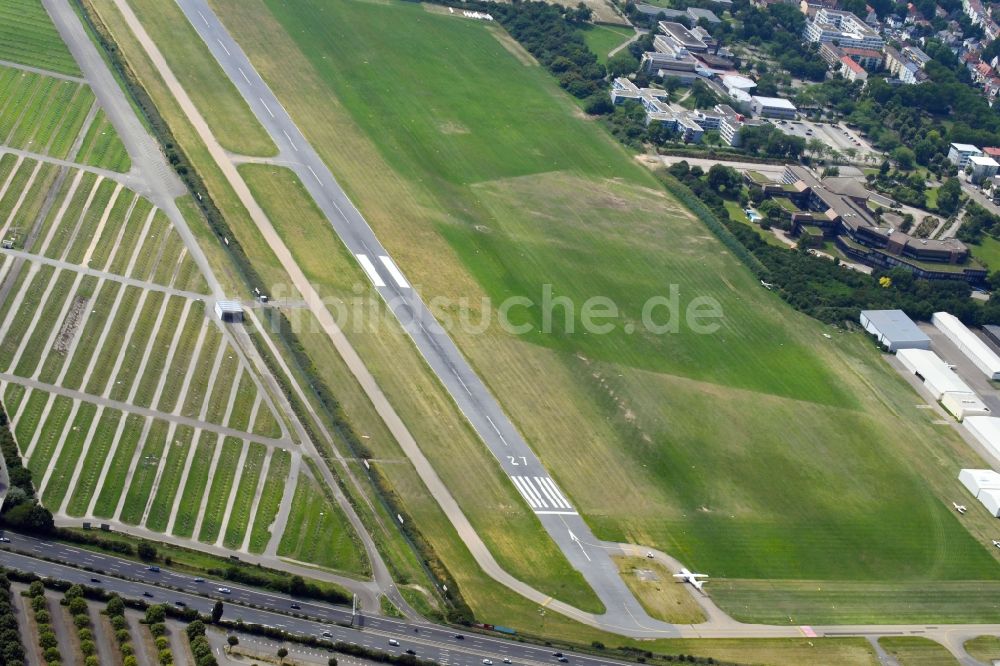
{"type": "Point", "coordinates": [62, 473]}
{"type": "Point", "coordinates": [145, 472]}
{"type": "Point", "coordinates": [163, 501]}
{"type": "Point", "coordinates": [93, 462]}
{"type": "Point", "coordinates": [194, 488]}
{"type": "Point", "coordinates": [114, 483]}
{"type": "Point", "coordinates": [270, 500]}
{"type": "Point", "coordinates": [246, 491]}
{"type": "Point", "coordinates": [218, 495]}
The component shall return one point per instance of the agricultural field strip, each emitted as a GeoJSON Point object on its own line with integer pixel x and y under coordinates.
{"type": "Point", "coordinates": [227, 513]}
{"type": "Point", "coordinates": [212, 467]}
{"type": "Point", "coordinates": [182, 482]}
{"type": "Point", "coordinates": [54, 457]}
{"type": "Point", "coordinates": [130, 181]}
{"type": "Point", "coordinates": [42, 72]}
{"type": "Point", "coordinates": [130, 474]}
{"type": "Point", "coordinates": [219, 354]}
{"type": "Point", "coordinates": [113, 277]}
{"type": "Point", "coordinates": [129, 408]}
{"type": "Point", "coordinates": [258, 493]}
{"type": "Point", "coordinates": [160, 468]}
{"type": "Point", "coordinates": [28, 336]}
{"type": "Point", "coordinates": [21, 198]}
{"type": "Point", "coordinates": [285, 506]}
{"type": "Point", "coordinates": [19, 160]}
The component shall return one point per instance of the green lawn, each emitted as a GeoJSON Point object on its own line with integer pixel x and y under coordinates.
{"type": "Point", "coordinates": [759, 451]}
{"type": "Point", "coordinates": [102, 146]}
{"type": "Point", "coordinates": [984, 648]}
{"type": "Point", "coordinates": [218, 494]}
{"type": "Point", "coordinates": [151, 458]}
{"type": "Point", "coordinates": [27, 36]}
{"type": "Point", "coordinates": [987, 251]}
{"type": "Point", "coordinates": [39, 112]}
{"type": "Point", "coordinates": [603, 38]}
{"type": "Point", "coordinates": [93, 462]}
{"type": "Point", "coordinates": [246, 491]}
{"type": "Point", "coordinates": [916, 651]}
{"type": "Point", "coordinates": [114, 483]}
{"type": "Point", "coordinates": [63, 467]}
{"type": "Point", "coordinates": [163, 502]}
{"type": "Point", "coordinates": [270, 500]}
{"type": "Point", "coordinates": [194, 488]}
{"type": "Point", "coordinates": [317, 532]}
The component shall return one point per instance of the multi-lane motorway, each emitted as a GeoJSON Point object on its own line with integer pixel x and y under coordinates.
{"type": "Point", "coordinates": [135, 580]}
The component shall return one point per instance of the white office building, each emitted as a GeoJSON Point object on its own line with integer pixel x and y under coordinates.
{"type": "Point", "coordinates": [959, 154]}
{"type": "Point", "coordinates": [983, 168]}
{"type": "Point", "coordinates": [773, 107]}
{"type": "Point", "coordinates": [845, 28]}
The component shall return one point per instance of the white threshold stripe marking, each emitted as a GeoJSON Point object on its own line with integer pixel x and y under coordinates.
{"type": "Point", "coordinates": [534, 498]}
{"type": "Point", "coordinates": [369, 267]}
{"type": "Point", "coordinates": [547, 483]}
{"type": "Point", "coordinates": [271, 113]}
{"type": "Point", "coordinates": [556, 513]}
{"type": "Point", "coordinates": [556, 502]}
{"type": "Point", "coordinates": [520, 489]}
{"type": "Point", "coordinates": [394, 271]}
{"type": "Point", "coordinates": [224, 47]}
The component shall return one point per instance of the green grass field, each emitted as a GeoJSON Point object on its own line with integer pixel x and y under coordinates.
{"type": "Point", "coordinates": [63, 466]}
{"type": "Point", "coordinates": [163, 501]}
{"type": "Point", "coordinates": [151, 458]}
{"type": "Point", "coordinates": [916, 651]}
{"type": "Point", "coordinates": [984, 648]}
{"type": "Point", "coordinates": [218, 494]}
{"type": "Point", "coordinates": [114, 483]}
{"type": "Point", "coordinates": [603, 38]}
{"type": "Point", "coordinates": [987, 251]}
{"type": "Point", "coordinates": [714, 447]}
{"type": "Point", "coordinates": [194, 488]}
{"type": "Point", "coordinates": [102, 146]}
{"type": "Point", "coordinates": [317, 531]}
{"type": "Point", "coordinates": [270, 500]}
{"type": "Point", "coordinates": [27, 36]}
{"type": "Point", "coordinates": [246, 491]}
{"type": "Point", "coordinates": [41, 113]}
{"type": "Point", "coordinates": [93, 461]}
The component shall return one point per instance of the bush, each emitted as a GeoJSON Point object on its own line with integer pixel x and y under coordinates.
{"type": "Point", "coordinates": [158, 629]}
{"type": "Point", "coordinates": [116, 607]}
{"type": "Point", "coordinates": [88, 648]}
{"type": "Point", "coordinates": [162, 643]}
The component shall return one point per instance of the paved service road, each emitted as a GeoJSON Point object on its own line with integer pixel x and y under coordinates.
{"type": "Point", "coordinates": [623, 614]}
{"type": "Point", "coordinates": [132, 579]}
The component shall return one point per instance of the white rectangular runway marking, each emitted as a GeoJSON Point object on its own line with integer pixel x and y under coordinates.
{"type": "Point", "coordinates": [369, 267]}
{"type": "Point", "coordinates": [266, 107]}
{"type": "Point", "coordinates": [294, 147]}
{"type": "Point", "coordinates": [203, 17]}
{"type": "Point", "coordinates": [529, 493]}
{"type": "Point", "coordinates": [314, 175]}
{"type": "Point", "coordinates": [550, 488]}
{"type": "Point", "coordinates": [245, 77]}
{"type": "Point", "coordinates": [224, 47]}
{"type": "Point", "coordinates": [396, 274]}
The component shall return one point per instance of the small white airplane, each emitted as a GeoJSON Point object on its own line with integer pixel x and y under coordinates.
{"type": "Point", "coordinates": [996, 543]}
{"type": "Point", "coordinates": [693, 578]}
{"type": "Point", "coordinates": [959, 507]}
{"type": "Point", "coordinates": [766, 285]}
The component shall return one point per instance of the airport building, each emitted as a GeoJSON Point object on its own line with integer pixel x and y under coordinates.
{"type": "Point", "coordinates": [229, 311]}
{"type": "Point", "coordinates": [942, 383]}
{"type": "Point", "coordinates": [894, 330]}
{"type": "Point", "coordinates": [968, 343]}
{"type": "Point", "coordinates": [984, 484]}
{"type": "Point", "coordinates": [986, 431]}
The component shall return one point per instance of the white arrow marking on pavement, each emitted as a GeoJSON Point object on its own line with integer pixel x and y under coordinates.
{"type": "Point", "coordinates": [579, 543]}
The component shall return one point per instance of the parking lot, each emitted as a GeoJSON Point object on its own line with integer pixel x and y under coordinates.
{"type": "Point", "coordinates": [837, 136]}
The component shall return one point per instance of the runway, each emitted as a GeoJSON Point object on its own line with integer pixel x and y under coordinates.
{"type": "Point", "coordinates": [562, 522]}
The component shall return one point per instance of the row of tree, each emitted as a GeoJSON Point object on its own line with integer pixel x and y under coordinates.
{"type": "Point", "coordinates": [77, 606]}
{"type": "Point", "coordinates": [11, 648]}
{"type": "Point", "coordinates": [47, 640]}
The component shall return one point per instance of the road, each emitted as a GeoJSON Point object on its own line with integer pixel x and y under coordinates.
{"type": "Point", "coordinates": [133, 580]}
{"type": "Point", "coordinates": [624, 614]}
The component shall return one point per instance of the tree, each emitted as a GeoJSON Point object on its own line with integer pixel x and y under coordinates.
{"type": "Point", "coordinates": [233, 641]}
{"type": "Point", "coordinates": [156, 613]}
{"type": "Point", "coordinates": [77, 606]}
{"type": "Point", "coordinates": [115, 606]}
{"type": "Point", "coordinates": [622, 63]}
{"type": "Point", "coordinates": [332, 661]}
{"type": "Point", "coordinates": [195, 629]}
{"type": "Point", "coordinates": [949, 196]}
{"type": "Point", "coordinates": [146, 551]}
{"type": "Point", "coordinates": [724, 180]}
{"type": "Point", "coordinates": [74, 592]}
{"type": "Point", "coordinates": [30, 517]}
{"type": "Point", "coordinates": [217, 610]}
{"type": "Point", "coordinates": [905, 158]}
{"type": "Point", "coordinates": [282, 653]}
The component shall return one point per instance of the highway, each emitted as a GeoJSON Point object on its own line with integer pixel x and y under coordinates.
{"type": "Point", "coordinates": [623, 613]}
{"type": "Point", "coordinates": [133, 579]}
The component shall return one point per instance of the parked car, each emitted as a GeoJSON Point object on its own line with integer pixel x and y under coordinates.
{"type": "Point", "coordinates": [224, 590]}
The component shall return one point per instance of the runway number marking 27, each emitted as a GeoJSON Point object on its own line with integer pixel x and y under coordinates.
{"type": "Point", "coordinates": [514, 460]}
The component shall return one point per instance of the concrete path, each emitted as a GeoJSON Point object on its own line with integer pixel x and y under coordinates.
{"type": "Point", "coordinates": [129, 180]}
{"type": "Point", "coordinates": [638, 33]}
{"type": "Point", "coordinates": [43, 72]}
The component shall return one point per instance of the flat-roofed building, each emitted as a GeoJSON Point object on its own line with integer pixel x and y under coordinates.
{"type": "Point", "coordinates": [959, 154]}
{"type": "Point", "coordinates": [894, 330]}
{"type": "Point", "coordinates": [773, 107]}
{"type": "Point", "coordinates": [983, 167]}
{"type": "Point", "coordinates": [846, 29]}
{"type": "Point", "coordinates": [682, 37]}
{"type": "Point", "coordinates": [697, 13]}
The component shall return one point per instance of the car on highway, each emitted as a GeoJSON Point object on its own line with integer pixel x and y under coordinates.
{"type": "Point", "coordinates": [296, 606]}
{"type": "Point", "coordinates": [488, 662]}
{"type": "Point", "coordinates": [411, 652]}
{"type": "Point", "coordinates": [506, 660]}
{"type": "Point", "coordinates": [224, 590]}
{"type": "Point", "coordinates": [154, 569]}
{"type": "Point", "coordinates": [180, 603]}
{"type": "Point", "coordinates": [148, 594]}
{"type": "Point", "coordinates": [327, 634]}
{"type": "Point", "coordinates": [563, 660]}
{"type": "Point", "coordinates": [199, 580]}
{"type": "Point", "coordinates": [95, 580]}
{"type": "Point", "coordinates": [393, 641]}
{"type": "Point", "coordinates": [459, 637]}
{"type": "Point", "coordinates": [4, 539]}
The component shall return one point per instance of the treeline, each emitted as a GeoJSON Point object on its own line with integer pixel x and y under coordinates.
{"type": "Point", "coordinates": [819, 287]}
{"type": "Point", "coordinates": [21, 509]}
{"type": "Point", "coordinates": [11, 648]}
